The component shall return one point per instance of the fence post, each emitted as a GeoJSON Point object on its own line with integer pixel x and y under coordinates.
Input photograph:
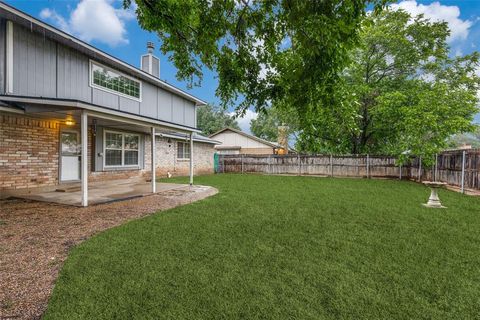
{"type": "Point", "coordinates": [419, 169]}
{"type": "Point", "coordinates": [299, 165]}
{"type": "Point", "coordinates": [241, 157]}
{"type": "Point", "coordinates": [463, 171]}
{"type": "Point", "coordinates": [269, 164]}
{"type": "Point", "coordinates": [223, 163]}
{"type": "Point", "coordinates": [368, 166]}
{"type": "Point", "coordinates": [331, 165]}
{"type": "Point", "coordinates": [400, 175]}
{"type": "Point", "coordinates": [436, 168]}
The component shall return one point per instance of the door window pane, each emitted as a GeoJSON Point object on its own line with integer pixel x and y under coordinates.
{"type": "Point", "coordinates": [70, 143]}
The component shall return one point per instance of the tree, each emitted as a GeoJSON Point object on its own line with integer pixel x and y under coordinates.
{"type": "Point", "coordinates": [278, 52]}
{"type": "Point", "coordinates": [265, 126]}
{"type": "Point", "coordinates": [401, 94]}
{"type": "Point", "coordinates": [211, 119]}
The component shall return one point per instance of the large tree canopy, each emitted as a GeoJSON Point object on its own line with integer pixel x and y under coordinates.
{"type": "Point", "coordinates": [402, 93]}
{"type": "Point", "coordinates": [211, 119]}
{"type": "Point", "coordinates": [264, 51]}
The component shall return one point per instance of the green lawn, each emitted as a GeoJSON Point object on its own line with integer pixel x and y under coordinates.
{"type": "Point", "coordinates": [271, 247]}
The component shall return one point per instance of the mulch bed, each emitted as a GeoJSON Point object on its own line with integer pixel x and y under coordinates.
{"type": "Point", "coordinates": [35, 239]}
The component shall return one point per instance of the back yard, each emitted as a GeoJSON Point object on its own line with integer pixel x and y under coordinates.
{"type": "Point", "coordinates": [272, 247]}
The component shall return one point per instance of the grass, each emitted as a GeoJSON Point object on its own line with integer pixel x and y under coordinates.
{"type": "Point", "coordinates": [271, 247]}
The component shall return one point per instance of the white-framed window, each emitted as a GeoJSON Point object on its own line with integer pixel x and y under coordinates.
{"type": "Point", "coordinates": [107, 79]}
{"type": "Point", "coordinates": [183, 150]}
{"type": "Point", "coordinates": [121, 149]}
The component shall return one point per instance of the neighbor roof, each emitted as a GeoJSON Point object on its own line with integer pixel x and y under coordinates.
{"type": "Point", "coordinates": [46, 29]}
{"type": "Point", "coordinates": [271, 144]}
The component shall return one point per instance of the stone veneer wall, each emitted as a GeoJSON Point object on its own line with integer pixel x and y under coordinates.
{"type": "Point", "coordinates": [29, 155]}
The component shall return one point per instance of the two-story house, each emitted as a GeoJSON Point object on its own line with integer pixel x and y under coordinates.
{"type": "Point", "coordinates": [70, 112]}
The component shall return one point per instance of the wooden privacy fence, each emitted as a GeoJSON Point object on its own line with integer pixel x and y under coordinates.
{"type": "Point", "coordinates": [459, 168]}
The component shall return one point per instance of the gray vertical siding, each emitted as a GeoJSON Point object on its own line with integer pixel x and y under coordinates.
{"type": "Point", "coordinates": [2, 55]}
{"type": "Point", "coordinates": [164, 105]}
{"type": "Point", "coordinates": [107, 99]}
{"type": "Point", "coordinates": [178, 109]}
{"type": "Point", "coordinates": [189, 113]}
{"type": "Point", "coordinates": [148, 106]}
{"type": "Point", "coordinates": [72, 75]}
{"type": "Point", "coordinates": [45, 68]}
{"type": "Point", "coordinates": [129, 105]}
{"type": "Point", "coordinates": [34, 65]}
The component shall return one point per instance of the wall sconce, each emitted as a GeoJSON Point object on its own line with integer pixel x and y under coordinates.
{"type": "Point", "coordinates": [169, 141]}
{"type": "Point", "coordinates": [69, 122]}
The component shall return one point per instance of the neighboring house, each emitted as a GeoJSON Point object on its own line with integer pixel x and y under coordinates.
{"type": "Point", "coordinates": [234, 141]}
{"type": "Point", "coordinates": [72, 113]}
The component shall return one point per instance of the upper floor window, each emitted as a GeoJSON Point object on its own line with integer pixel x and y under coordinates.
{"type": "Point", "coordinates": [107, 79]}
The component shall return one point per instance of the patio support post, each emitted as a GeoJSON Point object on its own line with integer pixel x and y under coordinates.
{"type": "Point", "coordinates": [154, 161]}
{"type": "Point", "coordinates": [191, 158]}
{"type": "Point", "coordinates": [84, 150]}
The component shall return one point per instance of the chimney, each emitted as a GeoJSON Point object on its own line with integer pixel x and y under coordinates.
{"type": "Point", "coordinates": [283, 139]}
{"type": "Point", "coordinates": [149, 62]}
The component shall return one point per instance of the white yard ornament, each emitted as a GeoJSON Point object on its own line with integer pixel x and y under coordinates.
{"type": "Point", "coordinates": [434, 200]}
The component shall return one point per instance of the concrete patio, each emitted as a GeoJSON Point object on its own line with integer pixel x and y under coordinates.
{"type": "Point", "coordinates": [100, 192]}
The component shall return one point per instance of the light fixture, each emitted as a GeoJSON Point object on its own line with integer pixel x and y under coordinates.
{"type": "Point", "coordinates": [69, 122]}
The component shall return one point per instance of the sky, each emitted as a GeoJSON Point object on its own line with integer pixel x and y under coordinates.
{"type": "Point", "coordinates": [107, 26]}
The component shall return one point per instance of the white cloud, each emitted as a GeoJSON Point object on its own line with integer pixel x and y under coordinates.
{"type": "Point", "coordinates": [94, 20]}
{"type": "Point", "coordinates": [244, 122]}
{"type": "Point", "coordinates": [58, 20]}
{"type": "Point", "coordinates": [437, 12]}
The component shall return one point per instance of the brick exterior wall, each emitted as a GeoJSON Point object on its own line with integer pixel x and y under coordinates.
{"type": "Point", "coordinates": [29, 155]}
{"type": "Point", "coordinates": [28, 152]}
{"type": "Point", "coordinates": [167, 161]}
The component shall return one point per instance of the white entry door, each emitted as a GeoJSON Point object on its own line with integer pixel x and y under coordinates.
{"type": "Point", "coordinates": [70, 156]}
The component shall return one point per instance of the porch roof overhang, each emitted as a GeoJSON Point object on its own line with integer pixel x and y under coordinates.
{"type": "Point", "coordinates": [18, 104]}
